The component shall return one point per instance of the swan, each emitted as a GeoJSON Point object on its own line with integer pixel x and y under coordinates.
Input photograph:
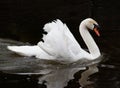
{"type": "Point", "coordinates": [60, 44]}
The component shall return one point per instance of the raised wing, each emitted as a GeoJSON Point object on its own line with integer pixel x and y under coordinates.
{"type": "Point", "coordinates": [59, 41]}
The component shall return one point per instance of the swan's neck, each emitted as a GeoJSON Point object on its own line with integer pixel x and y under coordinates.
{"type": "Point", "coordinates": [89, 41]}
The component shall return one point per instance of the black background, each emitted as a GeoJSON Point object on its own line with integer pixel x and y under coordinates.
{"type": "Point", "coordinates": [23, 20]}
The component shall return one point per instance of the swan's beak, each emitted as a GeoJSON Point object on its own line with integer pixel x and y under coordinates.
{"type": "Point", "coordinates": [96, 30]}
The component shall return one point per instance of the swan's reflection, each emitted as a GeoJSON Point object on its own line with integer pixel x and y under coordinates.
{"type": "Point", "coordinates": [85, 75]}
{"type": "Point", "coordinates": [60, 77]}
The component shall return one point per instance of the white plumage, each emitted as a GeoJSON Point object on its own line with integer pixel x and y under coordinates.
{"type": "Point", "coordinates": [59, 44]}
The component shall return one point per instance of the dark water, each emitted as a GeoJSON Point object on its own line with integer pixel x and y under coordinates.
{"type": "Point", "coordinates": [29, 72]}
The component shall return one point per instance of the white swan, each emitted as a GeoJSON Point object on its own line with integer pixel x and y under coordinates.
{"type": "Point", "coordinates": [60, 44]}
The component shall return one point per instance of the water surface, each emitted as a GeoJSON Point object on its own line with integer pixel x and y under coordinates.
{"type": "Point", "coordinates": [32, 72]}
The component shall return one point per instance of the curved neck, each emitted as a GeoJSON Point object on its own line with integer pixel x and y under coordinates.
{"type": "Point", "coordinates": [89, 41]}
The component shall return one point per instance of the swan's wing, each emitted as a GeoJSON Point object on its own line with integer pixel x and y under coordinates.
{"type": "Point", "coordinates": [30, 51]}
{"type": "Point", "coordinates": [73, 45]}
{"type": "Point", "coordinates": [59, 41]}
{"type": "Point", "coordinates": [54, 42]}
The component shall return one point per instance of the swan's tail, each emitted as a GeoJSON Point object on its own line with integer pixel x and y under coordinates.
{"type": "Point", "coordinates": [25, 50]}
{"type": "Point", "coordinates": [30, 51]}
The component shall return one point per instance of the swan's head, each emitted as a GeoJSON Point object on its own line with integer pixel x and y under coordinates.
{"type": "Point", "coordinates": [89, 23]}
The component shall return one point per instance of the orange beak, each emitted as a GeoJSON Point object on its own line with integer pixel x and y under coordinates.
{"type": "Point", "coordinates": [96, 31]}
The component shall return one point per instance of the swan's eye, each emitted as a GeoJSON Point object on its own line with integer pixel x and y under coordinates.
{"type": "Point", "coordinates": [96, 27]}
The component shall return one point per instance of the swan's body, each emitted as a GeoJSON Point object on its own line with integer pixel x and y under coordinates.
{"type": "Point", "coordinates": [60, 44]}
